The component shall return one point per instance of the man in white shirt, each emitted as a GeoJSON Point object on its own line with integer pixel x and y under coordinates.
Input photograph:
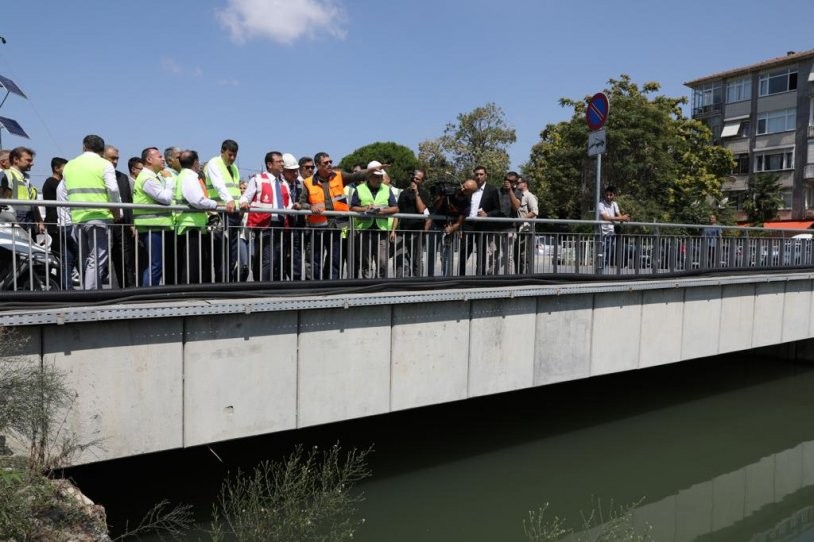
{"type": "Point", "coordinates": [609, 210]}
{"type": "Point", "coordinates": [67, 238]}
{"type": "Point", "coordinates": [194, 257]}
{"type": "Point", "coordinates": [222, 184]}
{"type": "Point", "coordinates": [526, 243]}
{"type": "Point", "coordinates": [268, 190]}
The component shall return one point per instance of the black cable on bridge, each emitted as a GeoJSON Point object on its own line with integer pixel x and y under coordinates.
{"type": "Point", "coordinates": [33, 300]}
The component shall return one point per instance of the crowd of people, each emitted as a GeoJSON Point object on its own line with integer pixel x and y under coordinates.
{"type": "Point", "coordinates": [299, 219]}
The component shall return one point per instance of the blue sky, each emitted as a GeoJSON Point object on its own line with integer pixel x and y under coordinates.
{"type": "Point", "coordinates": [304, 76]}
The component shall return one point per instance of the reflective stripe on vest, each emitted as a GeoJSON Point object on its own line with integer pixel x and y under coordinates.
{"type": "Point", "coordinates": [366, 198]}
{"type": "Point", "coordinates": [188, 220]}
{"type": "Point", "coordinates": [29, 192]}
{"type": "Point", "coordinates": [149, 218]}
{"type": "Point", "coordinates": [85, 181]}
{"type": "Point", "coordinates": [231, 178]}
{"type": "Point", "coordinates": [316, 197]}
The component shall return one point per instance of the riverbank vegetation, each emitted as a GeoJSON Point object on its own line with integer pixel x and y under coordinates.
{"type": "Point", "coordinates": [610, 524]}
{"type": "Point", "coordinates": [307, 496]}
{"type": "Point", "coordinates": [34, 401]}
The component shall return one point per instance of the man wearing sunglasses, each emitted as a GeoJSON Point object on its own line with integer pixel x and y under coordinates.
{"type": "Point", "coordinates": [325, 191]}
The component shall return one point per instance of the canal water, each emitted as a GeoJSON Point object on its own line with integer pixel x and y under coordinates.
{"type": "Point", "coordinates": [718, 449]}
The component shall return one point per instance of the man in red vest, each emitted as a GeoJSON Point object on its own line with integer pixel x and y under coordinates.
{"type": "Point", "coordinates": [268, 191]}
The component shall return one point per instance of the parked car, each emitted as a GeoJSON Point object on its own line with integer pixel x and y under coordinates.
{"type": "Point", "coordinates": [544, 245]}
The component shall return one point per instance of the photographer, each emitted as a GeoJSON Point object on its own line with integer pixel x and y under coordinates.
{"type": "Point", "coordinates": [509, 204]}
{"type": "Point", "coordinates": [453, 202]}
{"type": "Point", "coordinates": [412, 200]}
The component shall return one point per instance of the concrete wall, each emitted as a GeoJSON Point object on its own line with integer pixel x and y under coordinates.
{"type": "Point", "coordinates": [155, 384]}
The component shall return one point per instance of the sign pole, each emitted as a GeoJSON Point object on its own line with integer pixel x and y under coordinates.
{"type": "Point", "coordinates": [598, 184]}
{"type": "Point", "coordinates": [596, 115]}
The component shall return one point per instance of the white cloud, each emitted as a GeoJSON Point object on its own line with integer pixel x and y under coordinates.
{"type": "Point", "coordinates": [170, 65]}
{"type": "Point", "coordinates": [283, 21]}
{"type": "Point", "coordinates": [228, 82]}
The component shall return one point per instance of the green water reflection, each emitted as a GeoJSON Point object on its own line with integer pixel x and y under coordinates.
{"type": "Point", "coordinates": [719, 449]}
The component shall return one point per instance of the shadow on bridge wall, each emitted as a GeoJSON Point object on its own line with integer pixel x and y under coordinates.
{"type": "Point", "coordinates": [151, 384]}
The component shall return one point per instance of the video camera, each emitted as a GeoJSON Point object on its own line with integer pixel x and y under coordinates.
{"type": "Point", "coordinates": [445, 188]}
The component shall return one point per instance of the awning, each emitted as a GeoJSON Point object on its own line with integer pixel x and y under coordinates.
{"type": "Point", "coordinates": [789, 225]}
{"type": "Point", "coordinates": [731, 129]}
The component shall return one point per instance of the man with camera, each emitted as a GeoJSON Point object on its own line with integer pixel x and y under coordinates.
{"type": "Point", "coordinates": [413, 200]}
{"type": "Point", "coordinates": [453, 202]}
{"type": "Point", "coordinates": [509, 204]}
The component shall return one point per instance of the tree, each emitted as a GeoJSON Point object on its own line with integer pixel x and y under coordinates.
{"type": "Point", "coordinates": [480, 137]}
{"type": "Point", "coordinates": [663, 164]}
{"type": "Point", "coordinates": [402, 160]}
{"type": "Point", "coordinates": [762, 198]}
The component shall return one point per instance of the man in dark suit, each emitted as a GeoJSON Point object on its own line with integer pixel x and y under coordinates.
{"type": "Point", "coordinates": [480, 236]}
{"type": "Point", "coordinates": [122, 234]}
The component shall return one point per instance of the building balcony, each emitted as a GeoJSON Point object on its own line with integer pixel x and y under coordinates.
{"type": "Point", "coordinates": [706, 110]}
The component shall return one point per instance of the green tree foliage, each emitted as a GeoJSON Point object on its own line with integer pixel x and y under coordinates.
{"type": "Point", "coordinates": [663, 164]}
{"type": "Point", "coordinates": [480, 137]}
{"type": "Point", "coordinates": [762, 198]}
{"type": "Point", "coordinates": [402, 160]}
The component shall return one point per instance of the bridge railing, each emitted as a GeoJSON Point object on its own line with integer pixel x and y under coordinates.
{"type": "Point", "coordinates": [119, 255]}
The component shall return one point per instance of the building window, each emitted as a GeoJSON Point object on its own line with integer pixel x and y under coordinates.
{"type": "Point", "coordinates": [774, 161]}
{"type": "Point", "coordinates": [741, 164]}
{"type": "Point", "coordinates": [707, 98]}
{"type": "Point", "coordinates": [746, 129]}
{"type": "Point", "coordinates": [739, 90]}
{"type": "Point", "coordinates": [777, 81]}
{"type": "Point", "coordinates": [736, 198]}
{"type": "Point", "coordinates": [776, 121]}
{"type": "Point", "coordinates": [786, 199]}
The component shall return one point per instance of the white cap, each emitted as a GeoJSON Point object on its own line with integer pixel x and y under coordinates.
{"type": "Point", "coordinates": [376, 166]}
{"type": "Point", "coordinates": [289, 162]}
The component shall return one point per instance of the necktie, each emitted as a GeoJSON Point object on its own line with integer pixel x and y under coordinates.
{"type": "Point", "coordinates": [278, 195]}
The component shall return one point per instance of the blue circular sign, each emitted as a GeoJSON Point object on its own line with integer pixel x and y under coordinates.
{"type": "Point", "coordinates": [598, 108]}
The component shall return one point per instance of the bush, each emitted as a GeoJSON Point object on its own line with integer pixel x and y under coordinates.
{"type": "Point", "coordinates": [611, 525]}
{"type": "Point", "coordinates": [306, 496]}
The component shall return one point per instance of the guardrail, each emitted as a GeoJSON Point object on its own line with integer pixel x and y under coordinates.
{"type": "Point", "coordinates": [116, 255]}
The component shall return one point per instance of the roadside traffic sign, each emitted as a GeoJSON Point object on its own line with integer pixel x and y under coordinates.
{"type": "Point", "coordinates": [597, 113]}
{"type": "Point", "coordinates": [596, 142]}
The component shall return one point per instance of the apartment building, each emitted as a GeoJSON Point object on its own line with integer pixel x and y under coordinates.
{"type": "Point", "coordinates": [764, 114]}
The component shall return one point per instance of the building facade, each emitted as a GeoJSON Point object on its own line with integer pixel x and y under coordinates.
{"type": "Point", "coordinates": [764, 114]}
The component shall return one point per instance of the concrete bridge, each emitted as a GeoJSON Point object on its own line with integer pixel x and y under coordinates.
{"type": "Point", "coordinates": [160, 375]}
